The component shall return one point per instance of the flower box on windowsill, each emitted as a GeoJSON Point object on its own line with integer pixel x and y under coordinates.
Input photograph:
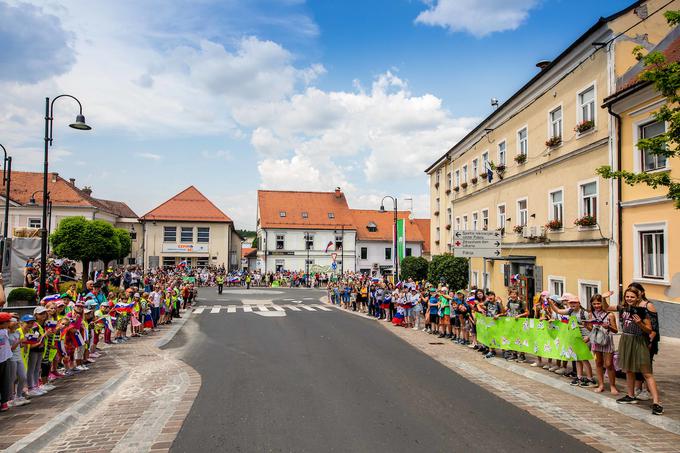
{"type": "Point", "coordinates": [448, 227]}
{"type": "Point", "coordinates": [584, 127]}
{"type": "Point", "coordinates": [586, 221]}
{"type": "Point", "coordinates": [456, 188]}
{"type": "Point", "coordinates": [553, 142]}
{"type": "Point", "coordinates": [448, 191]}
{"type": "Point", "coordinates": [436, 241]}
{"type": "Point", "coordinates": [554, 226]}
{"type": "Point", "coordinates": [518, 229]}
{"type": "Point", "coordinates": [436, 185]}
{"type": "Point", "coordinates": [521, 158]}
{"type": "Point", "coordinates": [474, 180]}
{"type": "Point", "coordinates": [436, 212]}
{"type": "Point", "coordinates": [464, 185]}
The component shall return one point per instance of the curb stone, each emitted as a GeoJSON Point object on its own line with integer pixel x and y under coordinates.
{"type": "Point", "coordinates": [665, 423]}
{"type": "Point", "coordinates": [57, 425]}
{"type": "Point", "coordinates": [177, 325]}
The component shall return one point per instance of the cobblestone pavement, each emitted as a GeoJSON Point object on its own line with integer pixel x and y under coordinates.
{"type": "Point", "coordinates": [589, 422]}
{"type": "Point", "coordinates": [152, 397]}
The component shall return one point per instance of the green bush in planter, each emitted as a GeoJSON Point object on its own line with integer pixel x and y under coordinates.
{"type": "Point", "coordinates": [22, 295]}
{"type": "Point", "coordinates": [64, 286]}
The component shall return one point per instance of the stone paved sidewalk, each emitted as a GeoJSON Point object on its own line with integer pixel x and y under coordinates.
{"type": "Point", "coordinates": [134, 398]}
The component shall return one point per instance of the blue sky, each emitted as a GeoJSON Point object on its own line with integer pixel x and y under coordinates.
{"type": "Point", "coordinates": [232, 96]}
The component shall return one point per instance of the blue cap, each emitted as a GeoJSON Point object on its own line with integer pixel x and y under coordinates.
{"type": "Point", "coordinates": [27, 318]}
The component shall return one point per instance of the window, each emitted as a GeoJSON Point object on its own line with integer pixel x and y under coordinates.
{"type": "Point", "coordinates": [475, 167]}
{"type": "Point", "coordinates": [523, 141]}
{"type": "Point", "coordinates": [309, 262]}
{"type": "Point", "coordinates": [457, 178]}
{"type": "Point", "coordinates": [587, 289]}
{"type": "Point", "coordinates": [280, 242]}
{"type": "Point", "coordinates": [501, 153]}
{"type": "Point", "coordinates": [169, 260]}
{"type": "Point", "coordinates": [305, 215]}
{"type": "Point", "coordinates": [465, 223]}
{"type": "Point", "coordinates": [556, 206]}
{"type": "Point", "coordinates": [522, 212]}
{"type": "Point", "coordinates": [465, 174]}
{"type": "Point", "coordinates": [475, 220]}
{"type": "Point", "coordinates": [388, 253]}
{"type": "Point", "coordinates": [331, 215]}
{"type": "Point", "coordinates": [372, 227]}
{"type": "Point", "coordinates": [34, 222]}
{"type": "Point", "coordinates": [169, 234]}
{"type": "Point", "coordinates": [485, 219]}
{"type": "Point", "coordinates": [132, 261]}
{"type": "Point", "coordinates": [652, 253]}
{"type": "Point", "coordinates": [449, 216]}
{"type": "Point", "coordinates": [436, 177]}
{"type": "Point", "coordinates": [437, 235]}
{"type": "Point", "coordinates": [556, 123]}
{"type": "Point", "coordinates": [338, 241]}
{"type": "Point", "coordinates": [485, 162]}
{"type": "Point", "coordinates": [309, 241]}
{"type": "Point", "coordinates": [133, 235]}
{"type": "Point", "coordinates": [436, 204]}
{"type": "Point", "coordinates": [364, 253]}
{"type": "Point", "coordinates": [408, 251]}
{"type": "Point", "coordinates": [457, 223]}
{"type": "Point", "coordinates": [652, 162]}
{"type": "Point", "coordinates": [586, 105]}
{"type": "Point", "coordinates": [282, 214]}
{"type": "Point", "coordinates": [186, 234]}
{"type": "Point", "coordinates": [202, 262]}
{"type": "Point", "coordinates": [475, 279]}
{"type": "Point", "coordinates": [449, 181]}
{"type": "Point", "coordinates": [500, 213]}
{"type": "Point", "coordinates": [556, 285]}
{"type": "Point", "coordinates": [589, 199]}
{"type": "Point", "coordinates": [203, 234]}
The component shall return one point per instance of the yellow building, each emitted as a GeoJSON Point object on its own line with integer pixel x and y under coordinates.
{"type": "Point", "coordinates": [646, 215]}
{"type": "Point", "coordinates": [528, 169]}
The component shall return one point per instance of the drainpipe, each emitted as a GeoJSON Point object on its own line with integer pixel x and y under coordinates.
{"type": "Point", "coordinates": [619, 209]}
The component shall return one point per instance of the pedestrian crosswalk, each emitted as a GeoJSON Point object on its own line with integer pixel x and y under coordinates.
{"type": "Point", "coordinates": [216, 309]}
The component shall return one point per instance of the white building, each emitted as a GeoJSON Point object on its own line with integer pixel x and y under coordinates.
{"type": "Point", "coordinates": [304, 230]}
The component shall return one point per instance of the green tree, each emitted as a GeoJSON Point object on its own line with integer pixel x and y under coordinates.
{"type": "Point", "coordinates": [665, 76]}
{"type": "Point", "coordinates": [449, 269]}
{"type": "Point", "coordinates": [85, 240]}
{"type": "Point", "coordinates": [255, 242]}
{"type": "Point", "coordinates": [125, 242]}
{"type": "Point", "coordinates": [414, 267]}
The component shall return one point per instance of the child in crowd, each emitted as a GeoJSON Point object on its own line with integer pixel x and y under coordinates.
{"type": "Point", "coordinates": [602, 345]}
{"type": "Point", "coordinates": [516, 308]}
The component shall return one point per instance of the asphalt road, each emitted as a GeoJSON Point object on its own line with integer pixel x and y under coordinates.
{"type": "Point", "coordinates": [329, 381]}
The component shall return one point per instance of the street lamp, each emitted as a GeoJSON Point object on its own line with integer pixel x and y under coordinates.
{"type": "Point", "coordinates": [6, 180]}
{"type": "Point", "coordinates": [79, 124]}
{"type": "Point", "coordinates": [307, 260]}
{"type": "Point", "coordinates": [394, 233]}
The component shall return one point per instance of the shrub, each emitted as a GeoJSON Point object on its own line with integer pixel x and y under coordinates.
{"type": "Point", "coordinates": [451, 270]}
{"type": "Point", "coordinates": [22, 295]}
{"type": "Point", "coordinates": [64, 286]}
{"type": "Point", "coordinates": [414, 267]}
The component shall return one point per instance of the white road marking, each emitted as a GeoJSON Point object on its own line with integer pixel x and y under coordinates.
{"type": "Point", "coordinates": [292, 308]}
{"type": "Point", "coordinates": [309, 298]}
{"type": "Point", "coordinates": [277, 308]}
{"type": "Point", "coordinates": [288, 299]}
{"type": "Point", "coordinates": [272, 314]}
{"type": "Point", "coordinates": [321, 307]}
{"type": "Point", "coordinates": [247, 308]}
{"type": "Point", "coordinates": [307, 307]}
{"type": "Point", "coordinates": [231, 309]}
{"type": "Point", "coordinates": [262, 308]}
{"type": "Point", "coordinates": [199, 310]}
{"type": "Point", "coordinates": [215, 309]}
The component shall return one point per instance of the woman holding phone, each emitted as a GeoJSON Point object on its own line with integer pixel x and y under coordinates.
{"type": "Point", "coordinates": [600, 318]}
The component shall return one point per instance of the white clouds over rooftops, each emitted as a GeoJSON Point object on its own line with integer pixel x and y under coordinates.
{"type": "Point", "coordinates": [476, 17]}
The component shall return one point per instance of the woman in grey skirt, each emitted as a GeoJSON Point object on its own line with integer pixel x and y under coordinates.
{"type": "Point", "coordinates": [634, 348]}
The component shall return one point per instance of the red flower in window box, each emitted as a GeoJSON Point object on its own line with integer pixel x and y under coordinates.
{"type": "Point", "coordinates": [586, 221]}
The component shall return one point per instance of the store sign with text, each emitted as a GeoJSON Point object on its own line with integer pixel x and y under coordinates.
{"type": "Point", "coordinates": [185, 248]}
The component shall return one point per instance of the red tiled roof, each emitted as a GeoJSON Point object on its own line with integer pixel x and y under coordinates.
{"type": "Point", "coordinates": [384, 221]}
{"type": "Point", "coordinates": [190, 205]}
{"type": "Point", "coordinates": [26, 184]}
{"type": "Point", "coordinates": [248, 252]}
{"type": "Point", "coordinates": [424, 227]}
{"type": "Point", "coordinates": [316, 206]}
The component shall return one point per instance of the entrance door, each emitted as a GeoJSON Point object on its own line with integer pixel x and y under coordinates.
{"type": "Point", "coordinates": [527, 282]}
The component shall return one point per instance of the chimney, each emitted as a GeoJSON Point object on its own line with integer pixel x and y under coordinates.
{"type": "Point", "coordinates": [55, 175]}
{"type": "Point", "coordinates": [72, 181]}
{"type": "Point", "coordinates": [543, 64]}
{"type": "Point", "coordinates": [87, 190]}
{"type": "Point", "coordinates": [338, 192]}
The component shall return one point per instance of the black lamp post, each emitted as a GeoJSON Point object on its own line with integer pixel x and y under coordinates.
{"type": "Point", "coordinates": [6, 180]}
{"type": "Point", "coordinates": [307, 260]}
{"type": "Point", "coordinates": [394, 233]}
{"type": "Point", "coordinates": [49, 120]}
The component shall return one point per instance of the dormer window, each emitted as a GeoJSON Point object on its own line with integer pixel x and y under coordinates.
{"type": "Point", "coordinates": [305, 215]}
{"type": "Point", "coordinates": [282, 213]}
{"type": "Point", "coordinates": [372, 227]}
{"type": "Point", "coordinates": [331, 215]}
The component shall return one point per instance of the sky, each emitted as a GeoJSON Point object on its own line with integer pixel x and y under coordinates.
{"type": "Point", "coordinates": [234, 96]}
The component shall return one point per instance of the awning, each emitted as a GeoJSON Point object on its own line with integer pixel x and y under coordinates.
{"type": "Point", "coordinates": [515, 259]}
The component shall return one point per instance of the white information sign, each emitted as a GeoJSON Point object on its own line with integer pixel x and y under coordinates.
{"type": "Point", "coordinates": [477, 244]}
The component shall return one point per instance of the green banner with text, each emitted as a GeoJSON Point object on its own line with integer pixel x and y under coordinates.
{"type": "Point", "coordinates": [550, 339]}
{"type": "Point", "coordinates": [401, 239]}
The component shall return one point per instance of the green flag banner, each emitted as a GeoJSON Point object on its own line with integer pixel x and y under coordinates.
{"type": "Point", "coordinates": [189, 279]}
{"type": "Point", "coordinates": [550, 339]}
{"type": "Point", "coordinates": [401, 239]}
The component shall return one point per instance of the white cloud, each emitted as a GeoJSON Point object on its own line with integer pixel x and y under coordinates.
{"type": "Point", "coordinates": [216, 155]}
{"type": "Point", "coordinates": [477, 17]}
{"type": "Point", "coordinates": [150, 156]}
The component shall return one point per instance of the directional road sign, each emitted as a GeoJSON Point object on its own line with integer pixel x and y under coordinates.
{"type": "Point", "coordinates": [484, 244]}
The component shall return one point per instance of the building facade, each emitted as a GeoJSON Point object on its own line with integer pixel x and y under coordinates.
{"type": "Point", "coordinates": [190, 228]}
{"type": "Point", "coordinates": [528, 169]}
{"type": "Point", "coordinates": [647, 216]}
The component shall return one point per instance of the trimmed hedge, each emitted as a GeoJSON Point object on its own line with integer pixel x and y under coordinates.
{"type": "Point", "coordinates": [22, 295]}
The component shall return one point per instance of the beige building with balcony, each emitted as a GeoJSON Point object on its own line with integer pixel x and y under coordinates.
{"type": "Point", "coordinates": [528, 169]}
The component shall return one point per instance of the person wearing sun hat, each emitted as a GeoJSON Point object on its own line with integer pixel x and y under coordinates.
{"type": "Point", "coordinates": [6, 380]}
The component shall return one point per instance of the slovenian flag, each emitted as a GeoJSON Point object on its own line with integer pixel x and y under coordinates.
{"type": "Point", "coordinates": [123, 307]}
{"type": "Point", "coordinates": [78, 338]}
{"type": "Point", "coordinates": [61, 346]}
{"type": "Point", "coordinates": [52, 298]}
{"type": "Point", "coordinates": [182, 263]}
{"type": "Point", "coordinates": [32, 339]}
{"type": "Point", "coordinates": [148, 322]}
{"type": "Point", "coordinates": [330, 243]}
